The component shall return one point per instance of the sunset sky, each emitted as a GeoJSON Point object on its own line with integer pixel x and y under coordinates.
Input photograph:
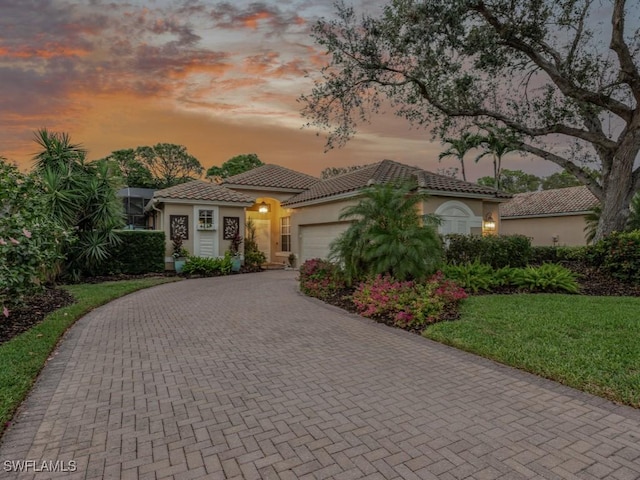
{"type": "Point", "coordinates": [221, 78]}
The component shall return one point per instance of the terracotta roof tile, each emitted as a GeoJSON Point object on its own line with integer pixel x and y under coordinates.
{"type": "Point", "coordinates": [385, 172]}
{"type": "Point", "coordinates": [549, 202]}
{"type": "Point", "coordinates": [201, 190]}
{"type": "Point", "coordinates": [272, 176]}
{"type": "Point", "coordinates": [434, 181]}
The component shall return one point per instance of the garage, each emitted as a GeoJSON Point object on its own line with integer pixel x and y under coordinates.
{"type": "Point", "coordinates": [315, 239]}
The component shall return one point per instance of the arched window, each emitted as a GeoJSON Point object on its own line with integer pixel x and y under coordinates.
{"type": "Point", "coordinates": [457, 217]}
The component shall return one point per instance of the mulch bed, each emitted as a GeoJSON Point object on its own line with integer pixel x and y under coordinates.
{"type": "Point", "coordinates": [32, 312]}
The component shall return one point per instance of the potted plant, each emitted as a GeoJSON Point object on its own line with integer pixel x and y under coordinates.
{"type": "Point", "coordinates": [234, 249]}
{"type": "Point", "coordinates": [180, 254]}
{"type": "Point", "coordinates": [292, 260]}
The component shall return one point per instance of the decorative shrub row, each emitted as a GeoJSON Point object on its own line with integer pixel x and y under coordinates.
{"type": "Point", "coordinates": [619, 255]}
{"type": "Point", "coordinates": [540, 255]}
{"type": "Point", "coordinates": [407, 304]}
{"type": "Point", "coordinates": [136, 252]}
{"type": "Point", "coordinates": [208, 267]}
{"type": "Point", "coordinates": [548, 277]}
{"type": "Point", "coordinates": [320, 278]}
{"type": "Point", "coordinates": [495, 250]}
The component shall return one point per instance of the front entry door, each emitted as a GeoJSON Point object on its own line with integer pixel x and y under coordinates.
{"type": "Point", "coordinates": [263, 236]}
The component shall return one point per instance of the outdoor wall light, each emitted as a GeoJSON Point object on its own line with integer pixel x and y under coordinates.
{"type": "Point", "coordinates": [489, 223]}
{"type": "Point", "coordinates": [263, 207]}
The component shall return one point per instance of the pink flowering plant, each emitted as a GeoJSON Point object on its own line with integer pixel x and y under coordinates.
{"type": "Point", "coordinates": [407, 304]}
{"type": "Point", "coordinates": [29, 239]}
{"type": "Point", "coordinates": [320, 278]}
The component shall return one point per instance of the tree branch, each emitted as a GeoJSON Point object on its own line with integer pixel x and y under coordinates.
{"type": "Point", "coordinates": [629, 71]}
{"type": "Point", "coordinates": [569, 166]}
{"type": "Point", "coordinates": [563, 84]}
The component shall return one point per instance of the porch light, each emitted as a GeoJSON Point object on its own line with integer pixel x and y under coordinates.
{"type": "Point", "coordinates": [263, 207]}
{"type": "Point", "coordinates": [489, 223]}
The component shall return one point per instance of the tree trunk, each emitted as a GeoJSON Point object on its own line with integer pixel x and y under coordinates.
{"type": "Point", "coordinates": [618, 190]}
{"type": "Point", "coordinates": [464, 173]}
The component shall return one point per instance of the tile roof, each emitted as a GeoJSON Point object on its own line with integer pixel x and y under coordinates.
{"type": "Point", "coordinates": [272, 176]}
{"type": "Point", "coordinates": [384, 172]}
{"type": "Point", "coordinates": [201, 190]}
{"type": "Point", "coordinates": [434, 181]}
{"type": "Point", "coordinates": [549, 202]}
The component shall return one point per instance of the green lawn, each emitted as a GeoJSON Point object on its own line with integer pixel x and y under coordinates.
{"type": "Point", "coordinates": [589, 343]}
{"type": "Point", "coordinates": [22, 358]}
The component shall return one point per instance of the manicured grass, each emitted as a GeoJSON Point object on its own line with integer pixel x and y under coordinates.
{"type": "Point", "coordinates": [22, 358]}
{"type": "Point", "coordinates": [589, 343]}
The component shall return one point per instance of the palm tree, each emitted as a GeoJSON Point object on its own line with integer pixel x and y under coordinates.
{"type": "Point", "coordinates": [388, 236]}
{"type": "Point", "coordinates": [82, 198]}
{"type": "Point", "coordinates": [497, 143]}
{"type": "Point", "coordinates": [58, 152]}
{"type": "Point", "coordinates": [459, 147]}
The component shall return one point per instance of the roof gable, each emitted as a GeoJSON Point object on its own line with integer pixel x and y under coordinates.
{"type": "Point", "coordinates": [202, 191]}
{"type": "Point", "coordinates": [271, 176]}
{"type": "Point", "coordinates": [549, 202]}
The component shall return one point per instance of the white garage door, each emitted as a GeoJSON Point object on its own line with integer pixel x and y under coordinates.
{"type": "Point", "coordinates": [315, 239]}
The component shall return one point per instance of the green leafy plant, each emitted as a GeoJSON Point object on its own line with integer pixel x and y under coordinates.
{"type": "Point", "coordinates": [30, 239]}
{"type": "Point", "coordinates": [496, 250]}
{"type": "Point", "coordinates": [207, 266]}
{"type": "Point", "coordinates": [619, 255]}
{"type": "Point", "coordinates": [388, 236]}
{"type": "Point", "coordinates": [473, 276]}
{"type": "Point", "coordinates": [253, 257]}
{"type": "Point", "coordinates": [545, 278]}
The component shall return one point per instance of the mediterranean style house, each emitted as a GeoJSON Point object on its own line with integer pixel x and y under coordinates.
{"type": "Point", "coordinates": [549, 217]}
{"type": "Point", "coordinates": [298, 214]}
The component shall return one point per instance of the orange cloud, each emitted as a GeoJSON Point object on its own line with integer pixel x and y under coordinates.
{"type": "Point", "coordinates": [50, 50]}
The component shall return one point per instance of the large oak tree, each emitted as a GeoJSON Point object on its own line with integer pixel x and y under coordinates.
{"type": "Point", "coordinates": [566, 84]}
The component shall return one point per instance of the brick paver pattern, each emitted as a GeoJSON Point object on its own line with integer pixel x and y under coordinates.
{"type": "Point", "coordinates": [243, 377]}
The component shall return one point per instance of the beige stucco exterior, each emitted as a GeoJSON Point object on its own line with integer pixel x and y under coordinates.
{"type": "Point", "coordinates": [167, 209]}
{"type": "Point", "coordinates": [568, 229]}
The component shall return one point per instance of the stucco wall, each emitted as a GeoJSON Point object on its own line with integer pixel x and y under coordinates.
{"type": "Point", "coordinates": [569, 229]}
{"type": "Point", "coordinates": [169, 209]}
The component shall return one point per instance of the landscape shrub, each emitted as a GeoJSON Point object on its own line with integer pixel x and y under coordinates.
{"type": "Point", "coordinates": [136, 252]}
{"type": "Point", "coordinates": [477, 276]}
{"type": "Point", "coordinates": [30, 240]}
{"type": "Point", "coordinates": [408, 304]}
{"type": "Point", "coordinates": [320, 278]}
{"type": "Point", "coordinates": [545, 254]}
{"type": "Point", "coordinates": [474, 276]}
{"type": "Point", "coordinates": [546, 277]}
{"type": "Point", "coordinates": [208, 267]}
{"type": "Point", "coordinates": [619, 255]}
{"type": "Point", "coordinates": [495, 250]}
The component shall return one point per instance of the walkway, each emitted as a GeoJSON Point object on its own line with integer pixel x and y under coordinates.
{"type": "Point", "coordinates": [242, 377]}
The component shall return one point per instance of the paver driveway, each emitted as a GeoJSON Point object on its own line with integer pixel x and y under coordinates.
{"type": "Point", "coordinates": [244, 377]}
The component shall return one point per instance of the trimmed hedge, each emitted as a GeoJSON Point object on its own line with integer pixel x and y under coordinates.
{"type": "Point", "coordinates": [540, 255]}
{"type": "Point", "coordinates": [137, 252]}
{"type": "Point", "coordinates": [496, 250]}
{"type": "Point", "coordinates": [619, 255]}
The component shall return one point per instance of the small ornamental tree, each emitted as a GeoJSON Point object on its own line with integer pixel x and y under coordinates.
{"type": "Point", "coordinates": [30, 239]}
{"type": "Point", "coordinates": [387, 236]}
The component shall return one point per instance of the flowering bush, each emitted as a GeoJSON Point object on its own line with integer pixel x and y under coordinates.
{"type": "Point", "coordinates": [320, 278]}
{"type": "Point", "coordinates": [30, 241]}
{"type": "Point", "coordinates": [407, 304]}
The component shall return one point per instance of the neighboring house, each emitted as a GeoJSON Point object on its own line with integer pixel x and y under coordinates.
{"type": "Point", "coordinates": [549, 217]}
{"type": "Point", "coordinates": [297, 213]}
